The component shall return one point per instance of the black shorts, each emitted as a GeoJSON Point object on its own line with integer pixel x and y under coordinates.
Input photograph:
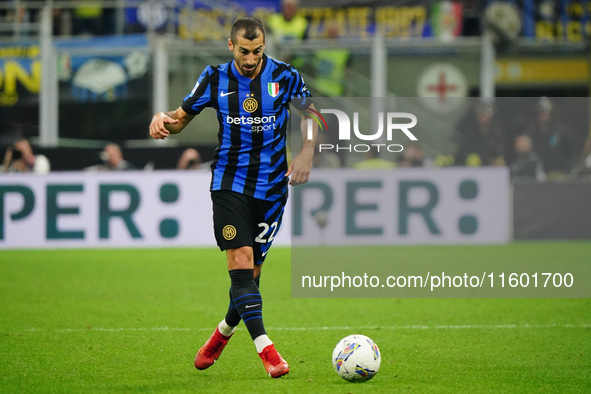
{"type": "Point", "coordinates": [240, 220]}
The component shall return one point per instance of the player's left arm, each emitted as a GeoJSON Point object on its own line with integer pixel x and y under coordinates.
{"type": "Point", "coordinates": [301, 165]}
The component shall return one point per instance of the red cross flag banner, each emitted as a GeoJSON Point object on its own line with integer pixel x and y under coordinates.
{"type": "Point", "coordinates": [442, 80]}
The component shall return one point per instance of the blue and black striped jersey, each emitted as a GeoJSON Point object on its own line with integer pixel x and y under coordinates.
{"type": "Point", "coordinates": [253, 115]}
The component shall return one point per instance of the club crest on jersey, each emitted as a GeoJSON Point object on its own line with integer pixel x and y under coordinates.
{"type": "Point", "coordinates": [250, 104]}
{"type": "Point", "coordinates": [273, 88]}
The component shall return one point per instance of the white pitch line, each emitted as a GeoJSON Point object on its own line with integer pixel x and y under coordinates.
{"type": "Point", "coordinates": [343, 328]}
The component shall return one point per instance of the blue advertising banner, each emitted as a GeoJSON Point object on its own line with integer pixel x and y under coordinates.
{"type": "Point", "coordinates": [102, 80]}
{"type": "Point", "coordinates": [101, 74]}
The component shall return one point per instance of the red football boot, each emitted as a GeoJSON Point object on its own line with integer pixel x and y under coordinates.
{"type": "Point", "coordinates": [275, 365]}
{"type": "Point", "coordinates": [212, 350]}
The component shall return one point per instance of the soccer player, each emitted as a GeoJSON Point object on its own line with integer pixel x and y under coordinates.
{"type": "Point", "coordinates": [251, 95]}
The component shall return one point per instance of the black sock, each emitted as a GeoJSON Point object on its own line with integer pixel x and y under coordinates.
{"type": "Point", "coordinates": [232, 316]}
{"type": "Point", "coordinates": [247, 301]}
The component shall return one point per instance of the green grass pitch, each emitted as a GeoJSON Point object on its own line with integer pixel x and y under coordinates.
{"type": "Point", "coordinates": [132, 320]}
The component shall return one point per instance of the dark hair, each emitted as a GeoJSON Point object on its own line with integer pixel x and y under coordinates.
{"type": "Point", "coordinates": [252, 28]}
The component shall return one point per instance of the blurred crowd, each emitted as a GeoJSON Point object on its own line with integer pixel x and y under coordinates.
{"type": "Point", "coordinates": [536, 146]}
{"type": "Point", "coordinates": [86, 17]}
{"type": "Point", "coordinates": [20, 158]}
{"type": "Point", "coordinates": [91, 17]}
{"type": "Point", "coordinates": [544, 146]}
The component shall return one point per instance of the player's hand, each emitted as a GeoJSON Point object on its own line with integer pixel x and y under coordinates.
{"type": "Point", "coordinates": [300, 169]}
{"type": "Point", "coordinates": [158, 130]}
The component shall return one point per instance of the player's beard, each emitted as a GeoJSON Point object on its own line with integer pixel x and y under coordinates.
{"type": "Point", "coordinates": [247, 72]}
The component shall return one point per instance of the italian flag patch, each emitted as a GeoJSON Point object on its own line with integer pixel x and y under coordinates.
{"type": "Point", "coordinates": [273, 88]}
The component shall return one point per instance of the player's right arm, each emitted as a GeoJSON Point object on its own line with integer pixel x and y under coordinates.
{"type": "Point", "coordinates": [165, 123]}
{"type": "Point", "coordinates": [173, 122]}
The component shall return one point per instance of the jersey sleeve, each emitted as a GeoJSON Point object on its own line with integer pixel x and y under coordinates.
{"type": "Point", "coordinates": [200, 96]}
{"type": "Point", "coordinates": [300, 96]}
{"type": "Point", "coordinates": [298, 86]}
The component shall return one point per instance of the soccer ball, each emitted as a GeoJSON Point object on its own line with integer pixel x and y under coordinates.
{"type": "Point", "coordinates": [356, 358]}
